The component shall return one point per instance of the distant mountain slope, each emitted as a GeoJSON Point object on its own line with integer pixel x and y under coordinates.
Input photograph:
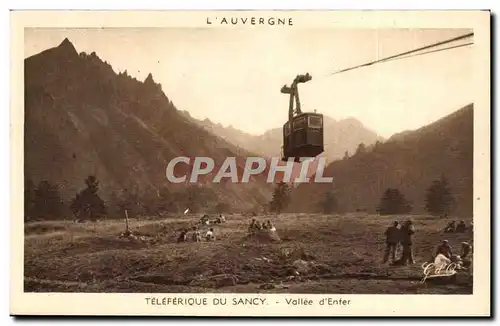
{"type": "Point", "coordinates": [82, 118]}
{"type": "Point", "coordinates": [340, 136]}
{"type": "Point", "coordinates": [409, 162]}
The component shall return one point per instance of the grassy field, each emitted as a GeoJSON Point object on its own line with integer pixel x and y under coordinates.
{"type": "Point", "coordinates": [339, 254]}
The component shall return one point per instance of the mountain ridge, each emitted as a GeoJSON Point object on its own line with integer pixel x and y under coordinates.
{"type": "Point", "coordinates": [409, 162]}
{"type": "Point", "coordinates": [81, 118]}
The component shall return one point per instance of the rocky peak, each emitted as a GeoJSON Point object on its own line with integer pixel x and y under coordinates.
{"type": "Point", "coordinates": [151, 84]}
{"type": "Point", "coordinates": [67, 47]}
{"type": "Point", "coordinates": [149, 79]}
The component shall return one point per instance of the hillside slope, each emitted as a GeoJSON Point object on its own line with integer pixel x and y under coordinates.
{"type": "Point", "coordinates": [409, 162]}
{"type": "Point", "coordinates": [82, 118]}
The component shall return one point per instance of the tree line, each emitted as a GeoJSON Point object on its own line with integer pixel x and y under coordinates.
{"type": "Point", "coordinates": [438, 198]}
{"type": "Point", "coordinates": [44, 202]}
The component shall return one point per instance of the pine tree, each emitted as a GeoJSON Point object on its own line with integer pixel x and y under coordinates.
{"type": "Point", "coordinates": [361, 149]}
{"type": "Point", "coordinates": [329, 203]}
{"type": "Point", "coordinates": [47, 202]}
{"type": "Point", "coordinates": [87, 202]}
{"type": "Point", "coordinates": [393, 202]}
{"type": "Point", "coordinates": [281, 198]}
{"type": "Point", "coordinates": [439, 198]}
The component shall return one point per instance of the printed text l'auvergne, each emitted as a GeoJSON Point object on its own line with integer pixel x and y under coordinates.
{"type": "Point", "coordinates": [270, 21]}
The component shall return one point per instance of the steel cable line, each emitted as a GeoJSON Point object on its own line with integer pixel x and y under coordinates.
{"type": "Point", "coordinates": [407, 53]}
{"type": "Point", "coordinates": [433, 51]}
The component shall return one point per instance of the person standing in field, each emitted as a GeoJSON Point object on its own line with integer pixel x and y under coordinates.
{"type": "Point", "coordinates": [392, 237]}
{"type": "Point", "coordinates": [196, 236]}
{"type": "Point", "coordinates": [407, 232]}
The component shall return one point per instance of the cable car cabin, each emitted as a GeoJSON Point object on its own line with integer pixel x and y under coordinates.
{"type": "Point", "coordinates": [303, 137]}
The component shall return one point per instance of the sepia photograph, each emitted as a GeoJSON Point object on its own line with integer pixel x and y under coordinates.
{"type": "Point", "coordinates": [248, 154]}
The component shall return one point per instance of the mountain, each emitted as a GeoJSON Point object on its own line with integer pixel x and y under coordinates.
{"type": "Point", "coordinates": [81, 119]}
{"type": "Point", "coordinates": [409, 162]}
{"type": "Point", "coordinates": [400, 135]}
{"type": "Point", "coordinates": [340, 136]}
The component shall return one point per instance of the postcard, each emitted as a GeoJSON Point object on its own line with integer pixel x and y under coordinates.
{"type": "Point", "coordinates": [250, 163]}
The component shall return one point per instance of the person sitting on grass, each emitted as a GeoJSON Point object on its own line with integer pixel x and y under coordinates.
{"type": "Point", "coordinates": [254, 226]}
{"type": "Point", "coordinates": [450, 228]}
{"type": "Point", "coordinates": [269, 226]}
{"type": "Point", "coordinates": [461, 227]}
{"type": "Point", "coordinates": [444, 249]}
{"type": "Point", "coordinates": [251, 227]}
{"type": "Point", "coordinates": [182, 236]}
{"type": "Point", "coordinates": [210, 235]}
{"type": "Point", "coordinates": [205, 219]}
{"type": "Point", "coordinates": [466, 250]}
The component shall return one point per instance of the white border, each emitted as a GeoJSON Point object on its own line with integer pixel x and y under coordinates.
{"type": "Point", "coordinates": [147, 4]}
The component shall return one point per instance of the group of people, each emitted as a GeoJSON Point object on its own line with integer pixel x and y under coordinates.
{"type": "Point", "coordinates": [396, 235]}
{"type": "Point", "coordinates": [465, 251]}
{"type": "Point", "coordinates": [257, 226]}
{"type": "Point", "coordinates": [207, 221]}
{"type": "Point", "coordinates": [195, 235]}
{"type": "Point", "coordinates": [453, 227]}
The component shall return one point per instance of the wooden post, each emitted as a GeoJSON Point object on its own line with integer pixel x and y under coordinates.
{"type": "Point", "coordinates": [126, 220]}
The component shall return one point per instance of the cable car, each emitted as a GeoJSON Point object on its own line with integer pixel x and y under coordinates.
{"type": "Point", "coordinates": [303, 132]}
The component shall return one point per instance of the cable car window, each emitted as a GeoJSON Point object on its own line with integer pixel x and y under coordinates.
{"type": "Point", "coordinates": [299, 123]}
{"type": "Point", "coordinates": [315, 122]}
{"type": "Point", "coordinates": [287, 129]}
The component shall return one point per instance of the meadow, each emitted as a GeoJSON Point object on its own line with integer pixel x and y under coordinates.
{"type": "Point", "coordinates": [339, 254]}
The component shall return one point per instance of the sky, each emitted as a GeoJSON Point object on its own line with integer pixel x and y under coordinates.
{"type": "Point", "coordinates": [234, 76]}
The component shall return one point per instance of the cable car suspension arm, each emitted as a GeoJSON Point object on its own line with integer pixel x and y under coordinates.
{"type": "Point", "coordinates": [293, 90]}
